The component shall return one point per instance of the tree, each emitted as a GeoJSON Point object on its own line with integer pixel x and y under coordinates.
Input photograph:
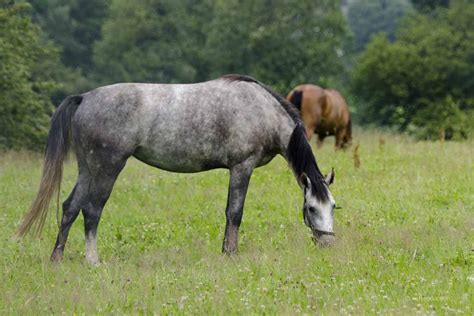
{"type": "Point", "coordinates": [369, 17]}
{"type": "Point", "coordinates": [153, 41]}
{"type": "Point", "coordinates": [425, 6]}
{"type": "Point", "coordinates": [74, 25]}
{"type": "Point", "coordinates": [424, 81]}
{"type": "Point", "coordinates": [26, 79]}
{"type": "Point", "coordinates": [283, 43]}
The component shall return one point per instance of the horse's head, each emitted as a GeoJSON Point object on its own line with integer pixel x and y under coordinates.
{"type": "Point", "coordinates": [319, 213]}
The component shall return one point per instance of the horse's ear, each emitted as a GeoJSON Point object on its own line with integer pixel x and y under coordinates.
{"type": "Point", "coordinates": [330, 177]}
{"type": "Point", "coordinates": [304, 181]}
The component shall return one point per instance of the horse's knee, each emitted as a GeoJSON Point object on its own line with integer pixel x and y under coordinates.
{"type": "Point", "coordinates": [345, 139]}
{"type": "Point", "coordinates": [234, 217]}
{"type": "Point", "coordinates": [340, 134]}
{"type": "Point", "coordinates": [70, 212]}
{"type": "Point", "coordinates": [67, 204]}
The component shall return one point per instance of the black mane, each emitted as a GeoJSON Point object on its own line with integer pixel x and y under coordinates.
{"type": "Point", "coordinates": [289, 108]}
{"type": "Point", "coordinates": [302, 160]}
{"type": "Point", "coordinates": [299, 153]}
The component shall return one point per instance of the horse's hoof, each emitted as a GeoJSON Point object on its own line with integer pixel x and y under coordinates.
{"type": "Point", "coordinates": [230, 254]}
{"type": "Point", "coordinates": [56, 256]}
{"type": "Point", "coordinates": [229, 251]}
{"type": "Point", "coordinates": [94, 262]}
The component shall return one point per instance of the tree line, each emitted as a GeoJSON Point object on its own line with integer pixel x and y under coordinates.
{"type": "Point", "coordinates": [416, 76]}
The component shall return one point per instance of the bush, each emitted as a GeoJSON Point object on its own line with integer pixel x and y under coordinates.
{"type": "Point", "coordinates": [423, 82]}
{"type": "Point", "coordinates": [25, 79]}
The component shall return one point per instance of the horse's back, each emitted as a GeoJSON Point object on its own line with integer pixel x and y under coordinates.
{"type": "Point", "coordinates": [338, 107]}
{"type": "Point", "coordinates": [182, 127]}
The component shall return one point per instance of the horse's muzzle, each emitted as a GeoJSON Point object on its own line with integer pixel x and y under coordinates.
{"type": "Point", "coordinates": [323, 238]}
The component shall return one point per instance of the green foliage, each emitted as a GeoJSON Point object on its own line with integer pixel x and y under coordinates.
{"type": "Point", "coordinates": [427, 73]}
{"type": "Point", "coordinates": [444, 116]}
{"type": "Point", "coordinates": [282, 43]}
{"type": "Point", "coordinates": [26, 79]}
{"type": "Point", "coordinates": [429, 5]}
{"type": "Point", "coordinates": [74, 25]}
{"type": "Point", "coordinates": [368, 17]}
{"type": "Point", "coordinates": [152, 41]}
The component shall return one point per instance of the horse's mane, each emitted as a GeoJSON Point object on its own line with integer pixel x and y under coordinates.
{"type": "Point", "coordinates": [302, 161]}
{"type": "Point", "coordinates": [289, 108]}
{"type": "Point", "coordinates": [299, 153]}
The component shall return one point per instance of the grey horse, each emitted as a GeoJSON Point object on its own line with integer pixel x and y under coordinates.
{"type": "Point", "coordinates": [233, 122]}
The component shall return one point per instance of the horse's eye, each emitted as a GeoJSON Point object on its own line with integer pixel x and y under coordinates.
{"type": "Point", "coordinates": [312, 209]}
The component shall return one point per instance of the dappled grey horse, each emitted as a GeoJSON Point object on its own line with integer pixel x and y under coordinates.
{"type": "Point", "coordinates": [234, 122]}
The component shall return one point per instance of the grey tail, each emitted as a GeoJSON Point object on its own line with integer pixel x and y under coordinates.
{"type": "Point", "coordinates": [57, 147]}
{"type": "Point", "coordinates": [297, 99]}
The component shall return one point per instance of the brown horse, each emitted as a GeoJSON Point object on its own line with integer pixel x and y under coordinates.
{"type": "Point", "coordinates": [324, 112]}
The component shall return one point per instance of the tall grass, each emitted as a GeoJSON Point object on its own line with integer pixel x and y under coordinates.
{"type": "Point", "coordinates": [405, 239]}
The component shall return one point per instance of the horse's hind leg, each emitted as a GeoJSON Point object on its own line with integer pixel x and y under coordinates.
{"type": "Point", "coordinates": [340, 133]}
{"type": "Point", "coordinates": [71, 208]}
{"type": "Point", "coordinates": [97, 176]}
{"type": "Point", "coordinates": [347, 139]}
{"type": "Point", "coordinates": [101, 184]}
{"type": "Point", "coordinates": [238, 185]}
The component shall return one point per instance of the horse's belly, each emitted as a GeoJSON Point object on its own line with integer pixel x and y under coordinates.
{"type": "Point", "coordinates": [179, 160]}
{"type": "Point", "coordinates": [325, 129]}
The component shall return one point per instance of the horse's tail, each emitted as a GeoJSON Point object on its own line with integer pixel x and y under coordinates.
{"type": "Point", "coordinates": [57, 147]}
{"type": "Point", "coordinates": [297, 99]}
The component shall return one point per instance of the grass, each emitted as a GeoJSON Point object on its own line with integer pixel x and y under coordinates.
{"type": "Point", "coordinates": [405, 239]}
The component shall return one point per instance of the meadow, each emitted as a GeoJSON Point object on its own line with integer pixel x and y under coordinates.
{"type": "Point", "coordinates": [405, 239]}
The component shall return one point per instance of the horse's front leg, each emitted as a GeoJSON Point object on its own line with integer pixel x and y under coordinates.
{"type": "Point", "coordinates": [238, 184]}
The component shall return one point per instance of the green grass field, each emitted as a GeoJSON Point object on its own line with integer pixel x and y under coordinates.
{"type": "Point", "coordinates": [405, 239]}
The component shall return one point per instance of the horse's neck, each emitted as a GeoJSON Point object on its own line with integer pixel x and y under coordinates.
{"type": "Point", "coordinates": [286, 128]}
